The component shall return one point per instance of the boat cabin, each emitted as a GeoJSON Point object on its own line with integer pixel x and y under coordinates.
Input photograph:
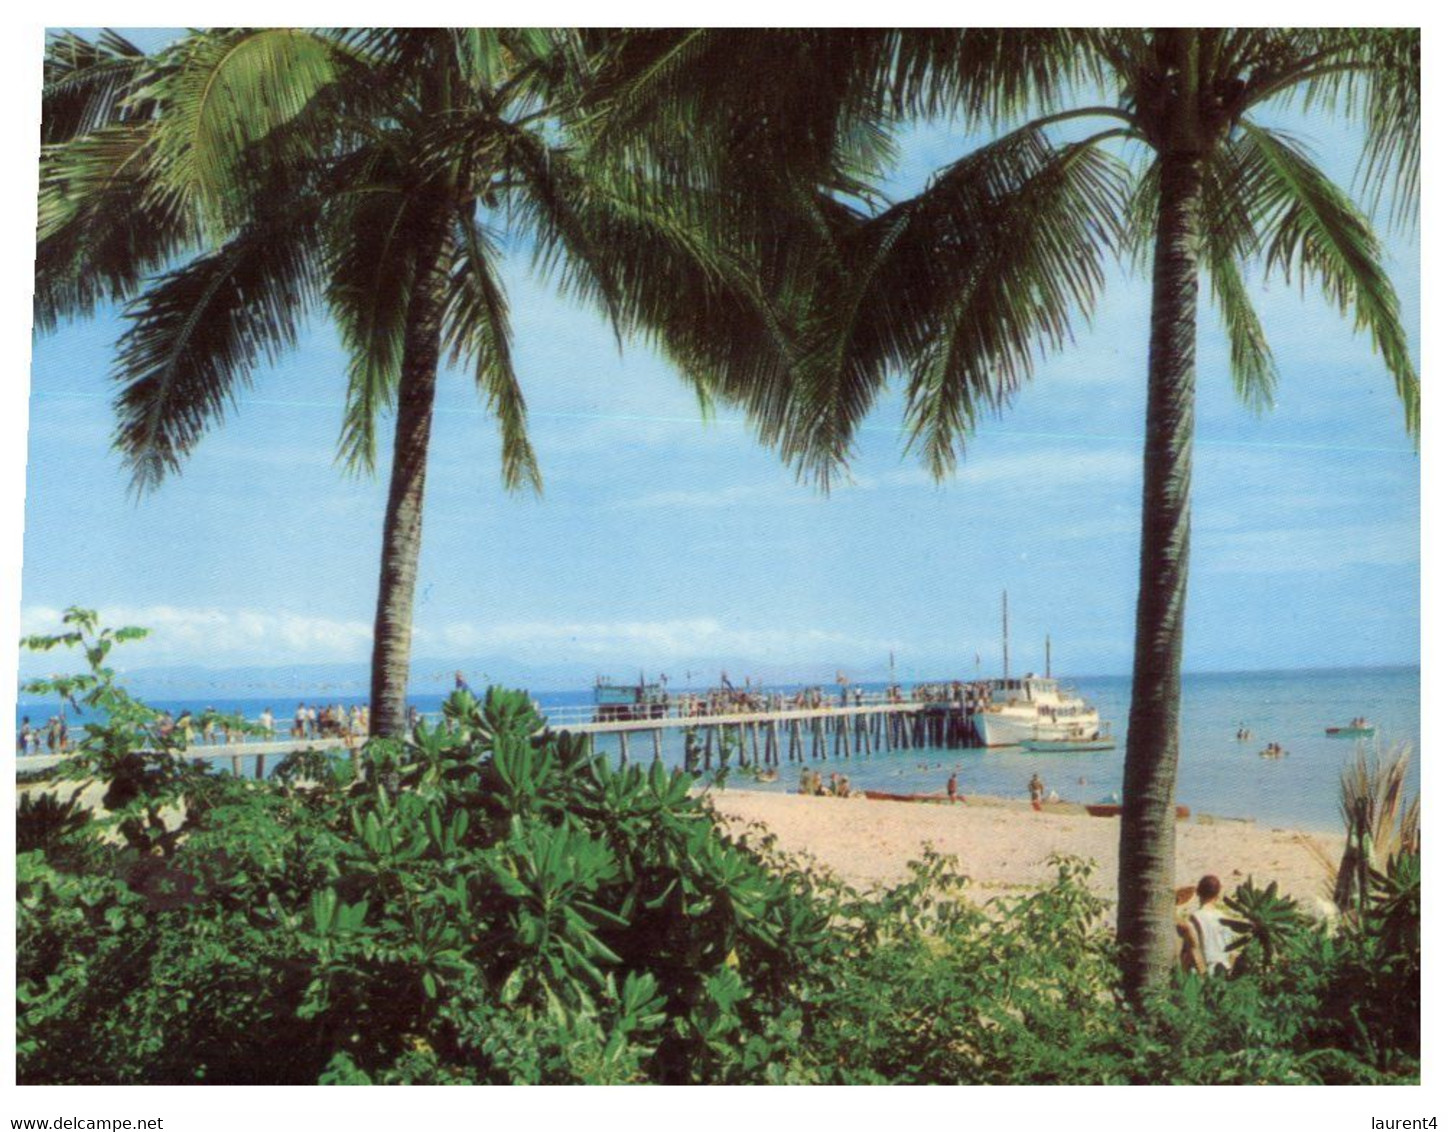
{"type": "Point", "coordinates": [616, 702]}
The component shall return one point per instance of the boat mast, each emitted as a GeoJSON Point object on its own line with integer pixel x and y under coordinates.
{"type": "Point", "coordinates": [1048, 656]}
{"type": "Point", "coordinates": [1005, 636]}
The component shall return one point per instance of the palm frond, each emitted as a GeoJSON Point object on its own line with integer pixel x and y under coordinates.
{"type": "Point", "coordinates": [750, 111]}
{"type": "Point", "coordinates": [1371, 76]}
{"type": "Point", "coordinates": [371, 266]}
{"type": "Point", "coordinates": [551, 201]}
{"type": "Point", "coordinates": [196, 335]}
{"type": "Point", "coordinates": [1230, 238]}
{"type": "Point", "coordinates": [1254, 373]}
{"type": "Point", "coordinates": [223, 94]}
{"type": "Point", "coordinates": [703, 291]}
{"type": "Point", "coordinates": [87, 84]}
{"type": "Point", "coordinates": [1311, 229]}
{"type": "Point", "coordinates": [475, 328]}
{"type": "Point", "coordinates": [963, 286]}
{"type": "Point", "coordinates": [101, 232]}
{"type": "Point", "coordinates": [1040, 264]}
{"type": "Point", "coordinates": [995, 75]}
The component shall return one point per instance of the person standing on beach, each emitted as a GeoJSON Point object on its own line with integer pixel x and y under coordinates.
{"type": "Point", "coordinates": [952, 787]}
{"type": "Point", "coordinates": [1037, 789]}
{"type": "Point", "coordinates": [267, 722]}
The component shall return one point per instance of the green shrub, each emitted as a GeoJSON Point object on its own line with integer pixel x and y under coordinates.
{"type": "Point", "coordinates": [488, 903]}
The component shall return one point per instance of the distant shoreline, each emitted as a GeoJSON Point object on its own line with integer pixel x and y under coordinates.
{"type": "Point", "coordinates": [550, 688]}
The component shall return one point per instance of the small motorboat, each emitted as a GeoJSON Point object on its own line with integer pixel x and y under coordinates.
{"type": "Point", "coordinates": [1113, 810]}
{"type": "Point", "coordinates": [1048, 746]}
{"type": "Point", "coordinates": [1358, 729]}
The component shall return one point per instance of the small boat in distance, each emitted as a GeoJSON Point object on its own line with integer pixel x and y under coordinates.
{"type": "Point", "coordinates": [1101, 741]}
{"type": "Point", "coordinates": [1359, 728]}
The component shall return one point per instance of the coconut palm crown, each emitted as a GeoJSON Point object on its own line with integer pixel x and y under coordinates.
{"type": "Point", "coordinates": [1145, 143]}
{"type": "Point", "coordinates": [239, 180]}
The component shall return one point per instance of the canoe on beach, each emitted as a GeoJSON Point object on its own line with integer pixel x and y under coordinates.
{"type": "Point", "coordinates": [885, 796]}
{"type": "Point", "coordinates": [1057, 807]}
{"type": "Point", "coordinates": [1113, 810]}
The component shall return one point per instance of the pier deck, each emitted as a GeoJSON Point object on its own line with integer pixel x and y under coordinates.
{"type": "Point", "coordinates": [759, 736]}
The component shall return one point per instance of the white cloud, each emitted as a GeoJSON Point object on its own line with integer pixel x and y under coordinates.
{"type": "Point", "coordinates": [213, 637]}
{"type": "Point", "coordinates": [772, 495]}
{"type": "Point", "coordinates": [685, 638]}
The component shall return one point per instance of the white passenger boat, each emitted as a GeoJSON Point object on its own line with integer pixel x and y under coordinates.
{"type": "Point", "coordinates": [1036, 709]}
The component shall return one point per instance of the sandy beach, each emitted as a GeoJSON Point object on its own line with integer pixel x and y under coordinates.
{"type": "Point", "coordinates": [1003, 845]}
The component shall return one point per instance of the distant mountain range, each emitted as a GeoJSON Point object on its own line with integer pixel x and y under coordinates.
{"type": "Point", "coordinates": [351, 679]}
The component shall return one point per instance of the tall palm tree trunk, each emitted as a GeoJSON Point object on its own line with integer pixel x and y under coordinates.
{"type": "Point", "coordinates": [402, 528]}
{"type": "Point", "coordinates": [1147, 861]}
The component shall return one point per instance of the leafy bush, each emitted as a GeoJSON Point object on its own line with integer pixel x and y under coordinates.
{"type": "Point", "coordinates": [487, 903]}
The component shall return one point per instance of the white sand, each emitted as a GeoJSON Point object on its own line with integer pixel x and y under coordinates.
{"type": "Point", "coordinates": [1003, 845]}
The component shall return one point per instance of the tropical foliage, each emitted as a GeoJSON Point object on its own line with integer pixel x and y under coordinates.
{"type": "Point", "coordinates": [1158, 145]}
{"type": "Point", "coordinates": [348, 171]}
{"type": "Point", "coordinates": [1382, 823]}
{"type": "Point", "coordinates": [483, 902]}
{"type": "Point", "coordinates": [240, 180]}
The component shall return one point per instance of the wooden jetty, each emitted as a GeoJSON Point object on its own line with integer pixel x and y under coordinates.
{"type": "Point", "coordinates": [770, 736]}
{"type": "Point", "coordinates": [764, 737]}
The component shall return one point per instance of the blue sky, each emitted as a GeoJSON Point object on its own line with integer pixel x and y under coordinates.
{"type": "Point", "coordinates": [662, 542]}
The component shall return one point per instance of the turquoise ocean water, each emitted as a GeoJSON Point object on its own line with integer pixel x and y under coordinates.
{"type": "Point", "coordinates": [1217, 775]}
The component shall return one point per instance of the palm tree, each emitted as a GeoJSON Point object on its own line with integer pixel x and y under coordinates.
{"type": "Point", "coordinates": [1145, 141]}
{"type": "Point", "coordinates": [241, 178]}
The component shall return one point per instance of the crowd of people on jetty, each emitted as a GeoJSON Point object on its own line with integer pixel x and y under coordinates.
{"type": "Point", "coordinates": [309, 721]}
{"type": "Point", "coordinates": [214, 728]}
{"type": "Point", "coordinates": [654, 702]}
